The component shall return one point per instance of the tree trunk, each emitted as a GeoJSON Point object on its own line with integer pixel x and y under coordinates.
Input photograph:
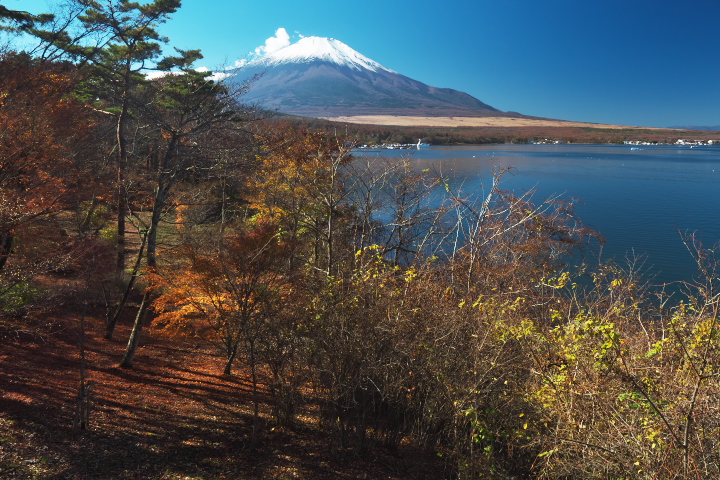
{"type": "Point", "coordinates": [112, 323]}
{"type": "Point", "coordinates": [228, 365]}
{"type": "Point", "coordinates": [6, 240]}
{"type": "Point", "coordinates": [165, 182]}
{"type": "Point", "coordinates": [134, 341]}
{"type": "Point", "coordinates": [123, 161]}
{"type": "Point", "coordinates": [158, 207]}
{"type": "Point", "coordinates": [121, 200]}
{"type": "Point", "coordinates": [81, 419]}
{"type": "Point", "coordinates": [256, 400]}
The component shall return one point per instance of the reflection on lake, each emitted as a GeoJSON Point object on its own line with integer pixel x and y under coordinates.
{"type": "Point", "coordinates": [637, 199]}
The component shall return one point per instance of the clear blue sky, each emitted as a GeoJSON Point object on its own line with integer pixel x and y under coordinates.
{"type": "Point", "coordinates": [630, 62]}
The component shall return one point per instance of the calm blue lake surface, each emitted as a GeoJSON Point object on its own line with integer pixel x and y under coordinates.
{"type": "Point", "coordinates": [637, 199]}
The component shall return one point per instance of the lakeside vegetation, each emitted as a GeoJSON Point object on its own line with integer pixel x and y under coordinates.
{"type": "Point", "coordinates": [189, 289]}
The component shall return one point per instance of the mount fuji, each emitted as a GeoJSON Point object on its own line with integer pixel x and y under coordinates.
{"type": "Point", "coordinates": [319, 76]}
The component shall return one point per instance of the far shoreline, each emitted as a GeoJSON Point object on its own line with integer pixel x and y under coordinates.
{"type": "Point", "coordinates": [502, 122]}
{"type": "Point", "coordinates": [455, 130]}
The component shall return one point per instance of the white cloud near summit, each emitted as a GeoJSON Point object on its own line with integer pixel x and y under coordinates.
{"type": "Point", "coordinates": [273, 44]}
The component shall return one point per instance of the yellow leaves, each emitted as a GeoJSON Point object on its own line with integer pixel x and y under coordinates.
{"type": "Point", "coordinates": [547, 453]}
{"type": "Point", "coordinates": [478, 303]}
{"type": "Point", "coordinates": [411, 274]}
{"type": "Point", "coordinates": [657, 348]}
{"type": "Point", "coordinates": [556, 281]}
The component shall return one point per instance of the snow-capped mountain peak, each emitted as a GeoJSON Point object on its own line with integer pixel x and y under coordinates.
{"type": "Point", "coordinates": [323, 77]}
{"type": "Point", "coordinates": [310, 49]}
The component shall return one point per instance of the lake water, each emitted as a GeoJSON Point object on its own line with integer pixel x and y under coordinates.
{"type": "Point", "coordinates": [638, 198]}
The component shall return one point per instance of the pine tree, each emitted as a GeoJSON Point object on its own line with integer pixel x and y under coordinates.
{"type": "Point", "coordinates": [125, 46]}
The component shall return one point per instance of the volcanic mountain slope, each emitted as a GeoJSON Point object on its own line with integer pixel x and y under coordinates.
{"type": "Point", "coordinates": [324, 77]}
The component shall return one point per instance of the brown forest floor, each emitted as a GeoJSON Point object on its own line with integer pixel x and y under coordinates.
{"type": "Point", "coordinates": [173, 416]}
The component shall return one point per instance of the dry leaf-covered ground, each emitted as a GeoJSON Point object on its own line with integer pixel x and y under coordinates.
{"type": "Point", "coordinates": [173, 416]}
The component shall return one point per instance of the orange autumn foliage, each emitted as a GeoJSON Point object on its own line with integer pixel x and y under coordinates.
{"type": "Point", "coordinates": [44, 134]}
{"type": "Point", "coordinates": [223, 293]}
{"type": "Point", "coordinates": [41, 130]}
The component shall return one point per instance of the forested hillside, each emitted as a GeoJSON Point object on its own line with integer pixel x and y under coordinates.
{"type": "Point", "coordinates": [190, 290]}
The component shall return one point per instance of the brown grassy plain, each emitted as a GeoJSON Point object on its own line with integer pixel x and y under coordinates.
{"type": "Point", "coordinates": [493, 130]}
{"type": "Point", "coordinates": [503, 122]}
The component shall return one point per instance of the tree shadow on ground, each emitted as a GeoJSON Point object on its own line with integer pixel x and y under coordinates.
{"type": "Point", "coordinates": [172, 416]}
